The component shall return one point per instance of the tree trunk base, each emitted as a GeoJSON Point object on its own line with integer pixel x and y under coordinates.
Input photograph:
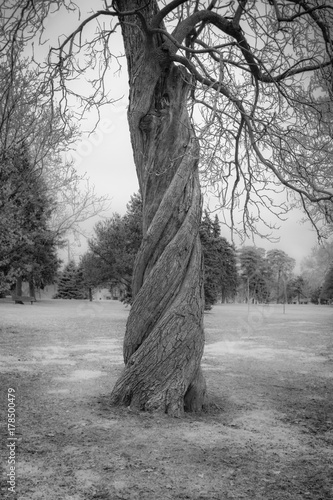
{"type": "Point", "coordinates": [170, 401]}
{"type": "Point", "coordinates": [195, 397]}
{"type": "Point", "coordinates": [166, 365]}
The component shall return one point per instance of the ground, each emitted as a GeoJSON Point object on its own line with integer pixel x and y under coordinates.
{"type": "Point", "coordinates": [267, 431]}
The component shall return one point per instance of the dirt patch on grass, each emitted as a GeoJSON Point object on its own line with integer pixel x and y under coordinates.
{"type": "Point", "coordinates": [267, 431]}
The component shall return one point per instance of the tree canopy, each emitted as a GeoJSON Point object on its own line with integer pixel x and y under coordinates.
{"type": "Point", "coordinates": [261, 93]}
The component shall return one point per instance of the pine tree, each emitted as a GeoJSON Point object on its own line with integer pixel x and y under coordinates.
{"type": "Point", "coordinates": [255, 274]}
{"type": "Point", "coordinates": [228, 276]}
{"type": "Point", "coordinates": [71, 283]}
{"type": "Point", "coordinates": [219, 262]}
{"type": "Point", "coordinates": [27, 246]}
{"type": "Point", "coordinates": [210, 255]}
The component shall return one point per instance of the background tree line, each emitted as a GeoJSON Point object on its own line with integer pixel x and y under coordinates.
{"type": "Point", "coordinates": [245, 274]}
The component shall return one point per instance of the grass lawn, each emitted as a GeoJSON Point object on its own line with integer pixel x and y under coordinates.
{"type": "Point", "coordinates": [267, 432]}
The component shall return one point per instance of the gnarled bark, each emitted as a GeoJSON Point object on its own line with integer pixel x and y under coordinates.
{"type": "Point", "coordinates": [164, 337]}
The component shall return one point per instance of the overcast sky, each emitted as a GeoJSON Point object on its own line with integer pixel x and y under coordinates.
{"type": "Point", "coordinates": [107, 159]}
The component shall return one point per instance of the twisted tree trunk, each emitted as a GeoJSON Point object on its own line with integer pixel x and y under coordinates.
{"type": "Point", "coordinates": [164, 337]}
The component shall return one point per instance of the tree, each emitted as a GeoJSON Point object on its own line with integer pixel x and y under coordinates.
{"type": "Point", "coordinates": [114, 247]}
{"type": "Point", "coordinates": [220, 276]}
{"type": "Point", "coordinates": [327, 290]}
{"type": "Point", "coordinates": [295, 287]}
{"type": "Point", "coordinates": [71, 283]}
{"type": "Point", "coordinates": [133, 223]}
{"type": "Point", "coordinates": [209, 241]}
{"type": "Point", "coordinates": [46, 263]}
{"type": "Point", "coordinates": [27, 246]}
{"type": "Point", "coordinates": [93, 270]}
{"type": "Point", "coordinates": [254, 274]}
{"type": "Point", "coordinates": [315, 267]}
{"type": "Point", "coordinates": [228, 276]}
{"type": "Point", "coordinates": [281, 266]}
{"type": "Point", "coordinates": [109, 245]}
{"type": "Point", "coordinates": [255, 77]}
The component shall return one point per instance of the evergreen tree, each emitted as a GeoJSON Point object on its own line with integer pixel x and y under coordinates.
{"type": "Point", "coordinates": [71, 283]}
{"type": "Point", "coordinates": [228, 276]}
{"type": "Point", "coordinates": [27, 246]}
{"type": "Point", "coordinates": [211, 261]}
{"type": "Point", "coordinates": [220, 278]}
{"type": "Point", "coordinates": [216, 227]}
{"type": "Point", "coordinates": [133, 224]}
{"type": "Point", "coordinates": [254, 274]}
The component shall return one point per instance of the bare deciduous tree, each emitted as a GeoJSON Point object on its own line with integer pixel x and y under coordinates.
{"type": "Point", "coordinates": [247, 83]}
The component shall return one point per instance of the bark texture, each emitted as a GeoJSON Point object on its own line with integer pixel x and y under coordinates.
{"type": "Point", "coordinates": [164, 337]}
